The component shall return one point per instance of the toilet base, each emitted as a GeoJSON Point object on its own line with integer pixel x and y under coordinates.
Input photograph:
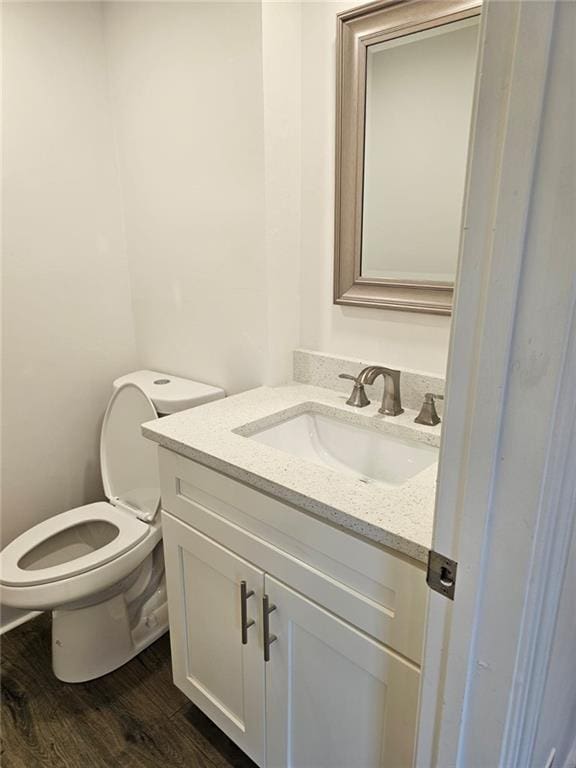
{"type": "Point", "coordinates": [90, 642]}
{"type": "Point", "coordinates": [93, 640]}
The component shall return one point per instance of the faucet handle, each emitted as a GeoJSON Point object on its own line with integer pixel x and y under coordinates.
{"type": "Point", "coordinates": [349, 376]}
{"type": "Point", "coordinates": [428, 414]}
{"type": "Point", "coordinates": [358, 398]}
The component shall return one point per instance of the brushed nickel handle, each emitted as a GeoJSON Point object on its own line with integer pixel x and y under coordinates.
{"type": "Point", "coordinates": [358, 398]}
{"type": "Point", "coordinates": [246, 623]}
{"type": "Point", "coordinates": [349, 377]}
{"type": "Point", "coordinates": [428, 414]}
{"type": "Point", "coordinates": [268, 638]}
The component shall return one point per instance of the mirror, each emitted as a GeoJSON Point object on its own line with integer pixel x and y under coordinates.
{"type": "Point", "coordinates": [406, 75]}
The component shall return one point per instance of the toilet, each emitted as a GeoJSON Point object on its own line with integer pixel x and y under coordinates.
{"type": "Point", "coordinates": [100, 568]}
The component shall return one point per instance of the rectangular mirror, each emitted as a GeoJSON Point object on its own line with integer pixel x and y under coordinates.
{"type": "Point", "coordinates": [406, 74]}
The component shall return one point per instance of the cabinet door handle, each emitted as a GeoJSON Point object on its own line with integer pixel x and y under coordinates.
{"type": "Point", "coordinates": [246, 623]}
{"type": "Point", "coordinates": [268, 638]}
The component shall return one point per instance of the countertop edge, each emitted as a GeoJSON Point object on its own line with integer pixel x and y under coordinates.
{"type": "Point", "coordinates": [339, 518]}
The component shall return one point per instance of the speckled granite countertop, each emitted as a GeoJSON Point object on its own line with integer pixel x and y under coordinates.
{"type": "Point", "coordinates": [217, 436]}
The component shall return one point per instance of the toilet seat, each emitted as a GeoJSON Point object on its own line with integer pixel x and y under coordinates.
{"type": "Point", "coordinates": [130, 531]}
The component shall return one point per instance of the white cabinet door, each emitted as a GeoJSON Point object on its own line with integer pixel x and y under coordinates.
{"type": "Point", "coordinates": [211, 664]}
{"type": "Point", "coordinates": [335, 698]}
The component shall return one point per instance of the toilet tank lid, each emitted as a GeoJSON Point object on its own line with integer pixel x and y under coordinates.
{"type": "Point", "coordinates": [171, 393]}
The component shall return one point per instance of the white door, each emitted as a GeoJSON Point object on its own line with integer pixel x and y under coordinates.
{"type": "Point", "coordinates": [507, 473]}
{"type": "Point", "coordinates": [335, 698]}
{"type": "Point", "coordinates": [215, 663]}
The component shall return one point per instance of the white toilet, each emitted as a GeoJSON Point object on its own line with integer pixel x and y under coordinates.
{"type": "Point", "coordinates": [100, 568]}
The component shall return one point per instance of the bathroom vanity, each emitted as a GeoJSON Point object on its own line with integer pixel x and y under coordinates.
{"type": "Point", "coordinates": [296, 532]}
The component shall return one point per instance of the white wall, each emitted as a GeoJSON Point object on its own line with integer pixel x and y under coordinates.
{"type": "Point", "coordinates": [228, 190]}
{"type": "Point", "coordinates": [186, 80]}
{"type": "Point", "coordinates": [67, 318]}
{"type": "Point", "coordinates": [281, 47]}
{"type": "Point", "coordinates": [396, 338]}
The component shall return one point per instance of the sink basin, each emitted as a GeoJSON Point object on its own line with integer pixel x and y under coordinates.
{"type": "Point", "coordinates": [370, 455]}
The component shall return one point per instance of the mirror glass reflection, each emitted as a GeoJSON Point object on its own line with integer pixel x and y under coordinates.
{"type": "Point", "coordinates": [419, 92]}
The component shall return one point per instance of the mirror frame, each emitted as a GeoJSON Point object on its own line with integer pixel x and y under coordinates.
{"type": "Point", "coordinates": [356, 30]}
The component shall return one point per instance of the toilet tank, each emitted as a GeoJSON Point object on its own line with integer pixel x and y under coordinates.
{"type": "Point", "coordinates": [171, 393]}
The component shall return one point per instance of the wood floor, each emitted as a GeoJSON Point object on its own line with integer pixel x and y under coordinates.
{"type": "Point", "coordinates": [132, 718]}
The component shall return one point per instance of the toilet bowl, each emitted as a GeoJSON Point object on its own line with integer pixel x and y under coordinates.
{"type": "Point", "coordinates": [100, 568]}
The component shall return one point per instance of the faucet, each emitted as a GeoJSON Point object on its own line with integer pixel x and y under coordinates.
{"type": "Point", "coordinates": [391, 403]}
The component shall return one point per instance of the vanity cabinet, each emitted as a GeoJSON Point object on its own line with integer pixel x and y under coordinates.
{"type": "Point", "coordinates": [335, 698]}
{"type": "Point", "coordinates": [216, 670]}
{"type": "Point", "coordinates": [299, 640]}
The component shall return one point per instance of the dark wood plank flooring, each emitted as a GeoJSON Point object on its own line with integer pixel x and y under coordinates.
{"type": "Point", "coordinates": [132, 718]}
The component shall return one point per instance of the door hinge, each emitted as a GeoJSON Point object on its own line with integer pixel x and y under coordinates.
{"type": "Point", "coordinates": [441, 574]}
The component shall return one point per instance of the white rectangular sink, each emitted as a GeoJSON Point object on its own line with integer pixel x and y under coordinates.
{"type": "Point", "coordinates": [368, 454]}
